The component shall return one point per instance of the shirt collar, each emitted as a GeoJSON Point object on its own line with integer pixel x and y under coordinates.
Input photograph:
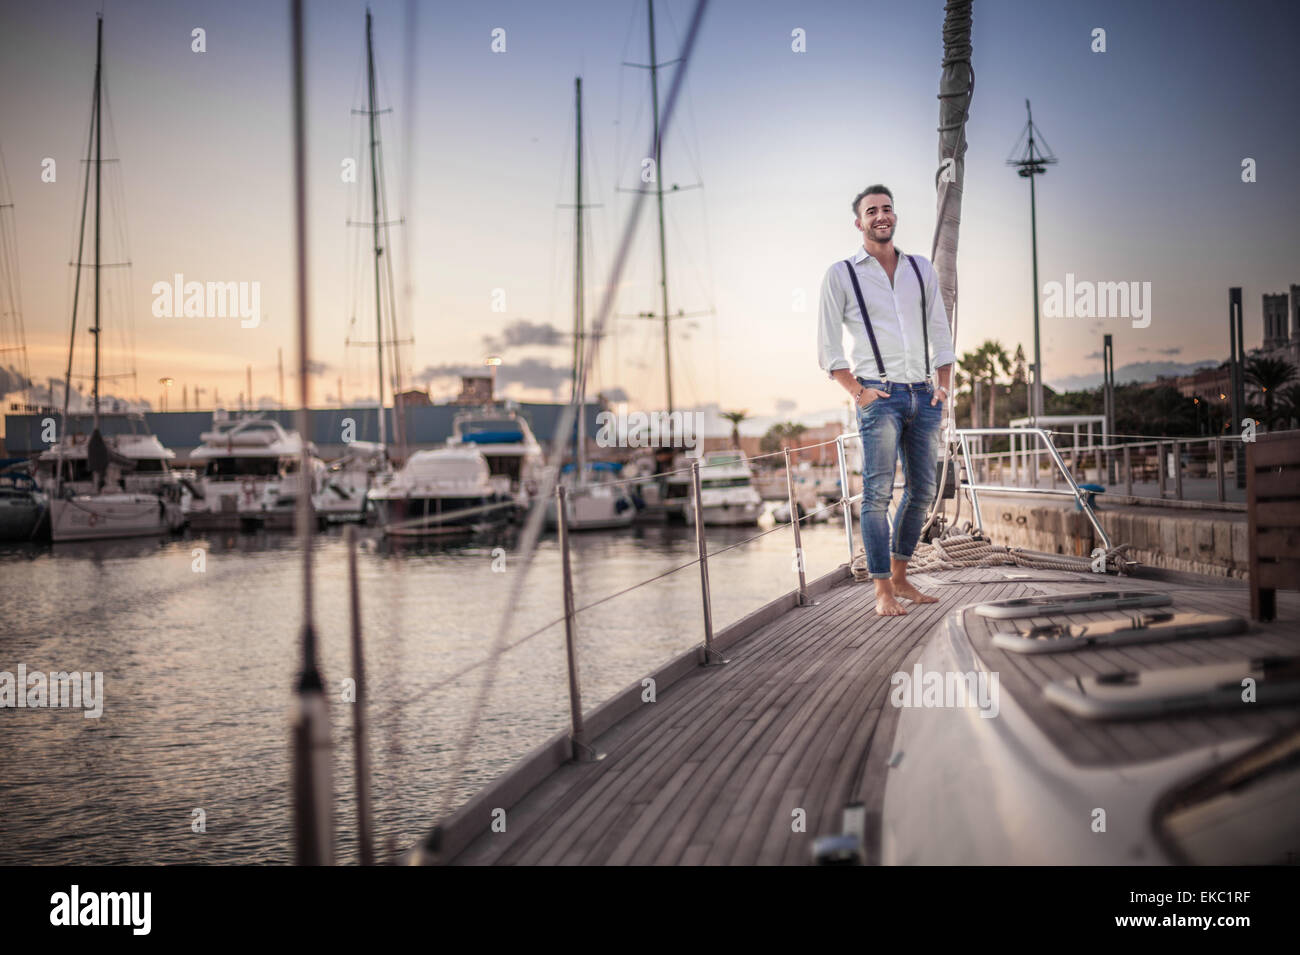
{"type": "Point", "coordinates": [862, 254]}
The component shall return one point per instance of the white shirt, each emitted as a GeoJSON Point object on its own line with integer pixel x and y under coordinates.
{"type": "Point", "coordinates": [895, 312]}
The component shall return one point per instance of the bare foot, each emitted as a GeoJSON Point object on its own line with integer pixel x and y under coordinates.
{"type": "Point", "coordinates": [905, 590]}
{"type": "Point", "coordinates": [888, 606]}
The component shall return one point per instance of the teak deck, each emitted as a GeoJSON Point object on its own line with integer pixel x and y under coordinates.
{"type": "Point", "coordinates": [799, 719]}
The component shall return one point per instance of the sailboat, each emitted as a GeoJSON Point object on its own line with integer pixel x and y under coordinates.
{"type": "Point", "coordinates": [107, 508]}
{"type": "Point", "coordinates": [367, 465]}
{"type": "Point", "coordinates": [595, 502]}
{"type": "Point", "coordinates": [22, 503]}
{"type": "Point", "coordinates": [657, 503]}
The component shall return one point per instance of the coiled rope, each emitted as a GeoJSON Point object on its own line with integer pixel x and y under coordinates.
{"type": "Point", "coordinates": [973, 550]}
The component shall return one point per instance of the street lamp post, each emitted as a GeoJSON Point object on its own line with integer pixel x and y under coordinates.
{"type": "Point", "coordinates": [1034, 162]}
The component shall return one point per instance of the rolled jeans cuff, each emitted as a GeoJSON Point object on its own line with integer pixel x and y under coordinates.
{"type": "Point", "coordinates": [903, 557]}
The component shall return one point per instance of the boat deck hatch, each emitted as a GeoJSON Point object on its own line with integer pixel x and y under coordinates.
{"type": "Point", "coordinates": [1134, 694]}
{"type": "Point", "coordinates": [1087, 602]}
{"type": "Point", "coordinates": [1143, 626]}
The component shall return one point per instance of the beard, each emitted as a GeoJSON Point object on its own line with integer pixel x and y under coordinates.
{"type": "Point", "coordinates": [876, 236]}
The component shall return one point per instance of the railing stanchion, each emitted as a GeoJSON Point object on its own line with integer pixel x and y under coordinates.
{"type": "Point", "coordinates": [1178, 470]}
{"type": "Point", "coordinates": [794, 522]}
{"type": "Point", "coordinates": [578, 734]}
{"type": "Point", "coordinates": [698, 506]}
{"type": "Point", "coordinates": [970, 489]}
{"type": "Point", "coordinates": [844, 498]}
{"type": "Point", "coordinates": [1218, 467]}
{"type": "Point", "coordinates": [1128, 470]}
{"type": "Point", "coordinates": [1161, 467]}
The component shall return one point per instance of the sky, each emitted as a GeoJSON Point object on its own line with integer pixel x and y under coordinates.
{"type": "Point", "coordinates": [1150, 135]}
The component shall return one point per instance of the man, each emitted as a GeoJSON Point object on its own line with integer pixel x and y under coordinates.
{"type": "Point", "coordinates": [899, 373]}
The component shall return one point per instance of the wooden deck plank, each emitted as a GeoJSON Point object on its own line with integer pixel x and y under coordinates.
{"type": "Point", "coordinates": [801, 718]}
{"type": "Point", "coordinates": [653, 746]}
{"type": "Point", "coordinates": [775, 746]}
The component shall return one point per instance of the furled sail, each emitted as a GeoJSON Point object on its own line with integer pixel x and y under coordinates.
{"type": "Point", "coordinates": [956, 85]}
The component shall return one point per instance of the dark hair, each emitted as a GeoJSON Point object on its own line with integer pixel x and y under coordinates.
{"type": "Point", "coordinates": [870, 190]}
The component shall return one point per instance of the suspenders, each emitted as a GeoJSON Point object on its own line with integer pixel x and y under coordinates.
{"type": "Point", "coordinates": [866, 319]}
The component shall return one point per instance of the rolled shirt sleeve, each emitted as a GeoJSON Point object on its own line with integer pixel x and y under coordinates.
{"type": "Point", "coordinates": [940, 331]}
{"type": "Point", "coordinates": [830, 325]}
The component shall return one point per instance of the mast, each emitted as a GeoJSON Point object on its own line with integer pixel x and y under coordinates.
{"type": "Point", "coordinates": [81, 242]}
{"type": "Point", "coordinates": [579, 370]}
{"type": "Point", "coordinates": [659, 196]}
{"type": "Point", "coordinates": [374, 220]}
{"type": "Point", "coordinates": [313, 808]}
{"type": "Point", "coordinates": [99, 142]}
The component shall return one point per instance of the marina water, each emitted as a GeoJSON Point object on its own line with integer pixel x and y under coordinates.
{"type": "Point", "coordinates": [197, 638]}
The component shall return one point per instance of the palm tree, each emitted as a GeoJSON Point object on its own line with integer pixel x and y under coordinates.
{"type": "Point", "coordinates": [971, 367]}
{"type": "Point", "coordinates": [996, 362]}
{"type": "Point", "coordinates": [781, 436]}
{"type": "Point", "coordinates": [1269, 375]}
{"type": "Point", "coordinates": [735, 417]}
{"type": "Point", "coordinates": [1288, 405]}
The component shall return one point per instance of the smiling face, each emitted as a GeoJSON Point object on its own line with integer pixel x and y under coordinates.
{"type": "Point", "coordinates": [876, 219]}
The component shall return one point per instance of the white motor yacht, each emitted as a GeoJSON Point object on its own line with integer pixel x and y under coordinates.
{"type": "Point", "coordinates": [727, 492]}
{"type": "Point", "coordinates": [440, 492]}
{"type": "Point", "coordinates": [249, 475]}
{"type": "Point", "coordinates": [514, 457]}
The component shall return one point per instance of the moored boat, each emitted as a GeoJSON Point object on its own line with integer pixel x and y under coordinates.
{"type": "Point", "coordinates": [249, 475]}
{"type": "Point", "coordinates": [439, 492]}
{"type": "Point", "coordinates": [513, 455]}
{"type": "Point", "coordinates": [23, 505]}
{"type": "Point", "coordinates": [727, 492]}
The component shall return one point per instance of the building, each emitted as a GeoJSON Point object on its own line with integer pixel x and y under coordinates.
{"type": "Point", "coordinates": [1207, 383]}
{"type": "Point", "coordinates": [474, 390]}
{"type": "Point", "coordinates": [1277, 334]}
{"type": "Point", "coordinates": [413, 399]}
{"type": "Point", "coordinates": [1282, 326]}
{"type": "Point", "coordinates": [748, 444]}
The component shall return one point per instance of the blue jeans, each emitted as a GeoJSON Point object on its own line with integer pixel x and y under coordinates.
{"type": "Point", "coordinates": [903, 425]}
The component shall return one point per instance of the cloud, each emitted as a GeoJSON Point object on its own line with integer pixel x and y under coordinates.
{"type": "Point", "coordinates": [534, 373]}
{"type": "Point", "coordinates": [785, 406]}
{"type": "Point", "coordinates": [433, 373]}
{"type": "Point", "coordinates": [529, 372]}
{"type": "Point", "coordinates": [12, 380]}
{"type": "Point", "coordinates": [615, 394]}
{"type": "Point", "coordinates": [1094, 355]}
{"type": "Point", "coordinates": [523, 332]}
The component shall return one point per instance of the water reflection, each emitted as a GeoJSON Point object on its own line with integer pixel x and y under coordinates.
{"type": "Point", "coordinates": [198, 664]}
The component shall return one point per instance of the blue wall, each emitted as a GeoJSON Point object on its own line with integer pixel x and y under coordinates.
{"type": "Point", "coordinates": [179, 430]}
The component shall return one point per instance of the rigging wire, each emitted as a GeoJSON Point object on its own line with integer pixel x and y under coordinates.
{"type": "Point", "coordinates": [532, 528]}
